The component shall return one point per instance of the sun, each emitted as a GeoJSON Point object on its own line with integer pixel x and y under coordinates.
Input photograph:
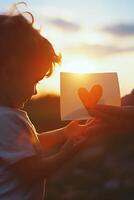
{"type": "Point", "coordinates": [74, 64]}
{"type": "Point", "coordinates": [79, 64]}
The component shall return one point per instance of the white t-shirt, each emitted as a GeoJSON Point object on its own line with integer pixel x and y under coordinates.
{"type": "Point", "coordinates": [18, 140]}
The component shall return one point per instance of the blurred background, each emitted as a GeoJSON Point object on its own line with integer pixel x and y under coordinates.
{"type": "Point", "coordinates": [93, 36]}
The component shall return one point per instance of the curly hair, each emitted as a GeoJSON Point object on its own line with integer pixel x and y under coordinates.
{"type": "Point", "coordinates": [21, 44]}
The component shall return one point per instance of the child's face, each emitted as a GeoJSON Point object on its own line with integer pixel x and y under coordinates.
{"type": "Point", "coordinates": [23, 87]}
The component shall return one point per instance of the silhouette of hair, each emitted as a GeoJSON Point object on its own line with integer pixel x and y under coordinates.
{"type": "Point", "coordinates": [21, 44]}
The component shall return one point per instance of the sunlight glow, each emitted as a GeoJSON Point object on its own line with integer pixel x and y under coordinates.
{"type": "Point", "coordinates": [78, 64]}
{"type": "Point", "coordinates": [50, 85]}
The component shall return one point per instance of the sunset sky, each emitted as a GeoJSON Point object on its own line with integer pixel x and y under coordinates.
{"type": "Point", "coordinates": [92, 35]}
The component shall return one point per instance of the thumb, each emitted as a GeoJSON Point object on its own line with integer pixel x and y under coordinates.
{"type": "Point", "coordinates": [73, 124]}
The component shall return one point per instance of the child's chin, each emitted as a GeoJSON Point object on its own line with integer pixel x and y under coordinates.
{"type": "Point", "coordinates": [20, 106]}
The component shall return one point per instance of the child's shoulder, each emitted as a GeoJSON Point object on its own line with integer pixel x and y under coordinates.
{"type": "Point", "coordinates": [11, 115]}
{"type": "Point", "coordinates": [15, 118]}
{"type": "Point", "coordinates": [14, 122]}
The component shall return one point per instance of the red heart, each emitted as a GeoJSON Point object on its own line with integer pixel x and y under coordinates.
{"type": "Point", "coordinates": [91, 98]}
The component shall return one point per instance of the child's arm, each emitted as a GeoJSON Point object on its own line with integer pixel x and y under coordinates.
{"type": "Point", "coordinates": [33, 168]}
{"type": "Point", "coordinates": [53, 138]}
{"type": "Point", "coordinates": [58, 137]}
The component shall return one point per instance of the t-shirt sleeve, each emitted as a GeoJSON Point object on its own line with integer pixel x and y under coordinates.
{"type": "Point", "coordinates": [16, 142]}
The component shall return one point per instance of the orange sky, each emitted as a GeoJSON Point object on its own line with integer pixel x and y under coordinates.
{"type": "Point", "coordinates": [93, 36]}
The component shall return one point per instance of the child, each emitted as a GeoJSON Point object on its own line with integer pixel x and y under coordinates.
{"type": "Point", "coordinates": [25, 58]}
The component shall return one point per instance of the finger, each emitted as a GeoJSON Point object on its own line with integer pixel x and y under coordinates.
{"type": "Point", "coordinates": [89, 122]}
{"type": "Point", "coordinates": [115, 122]}
{"type": "Point", "coordinates": [122, 112]}
{"type": "Point", "coordinates": [73, 124]}
{"type": "Point", "coordinates": [101, 115]}
{"type": "Point", "coordinates": [94, 121]}
{"type": "Point", "coordinates": [109, 109]}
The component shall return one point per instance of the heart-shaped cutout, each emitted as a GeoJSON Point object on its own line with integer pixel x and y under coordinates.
{"type": "Point", "coordinates": [90, 98]}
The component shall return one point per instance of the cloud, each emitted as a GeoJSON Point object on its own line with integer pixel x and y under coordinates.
{"type": "Point", "coordinates": [99, 51]}
{"type": "Point", "coordinates": [120, 29]}
{"type": "Point", "coordinates": [64, 25]}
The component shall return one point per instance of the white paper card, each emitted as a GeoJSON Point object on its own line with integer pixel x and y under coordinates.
{"type": "Point", "coordinates": [71, 106]}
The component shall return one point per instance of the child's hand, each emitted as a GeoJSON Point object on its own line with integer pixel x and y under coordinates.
{"type": "Point", "coordinates": [75, 130]}
{"type": "Point", "coordinates": [72, 147]}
